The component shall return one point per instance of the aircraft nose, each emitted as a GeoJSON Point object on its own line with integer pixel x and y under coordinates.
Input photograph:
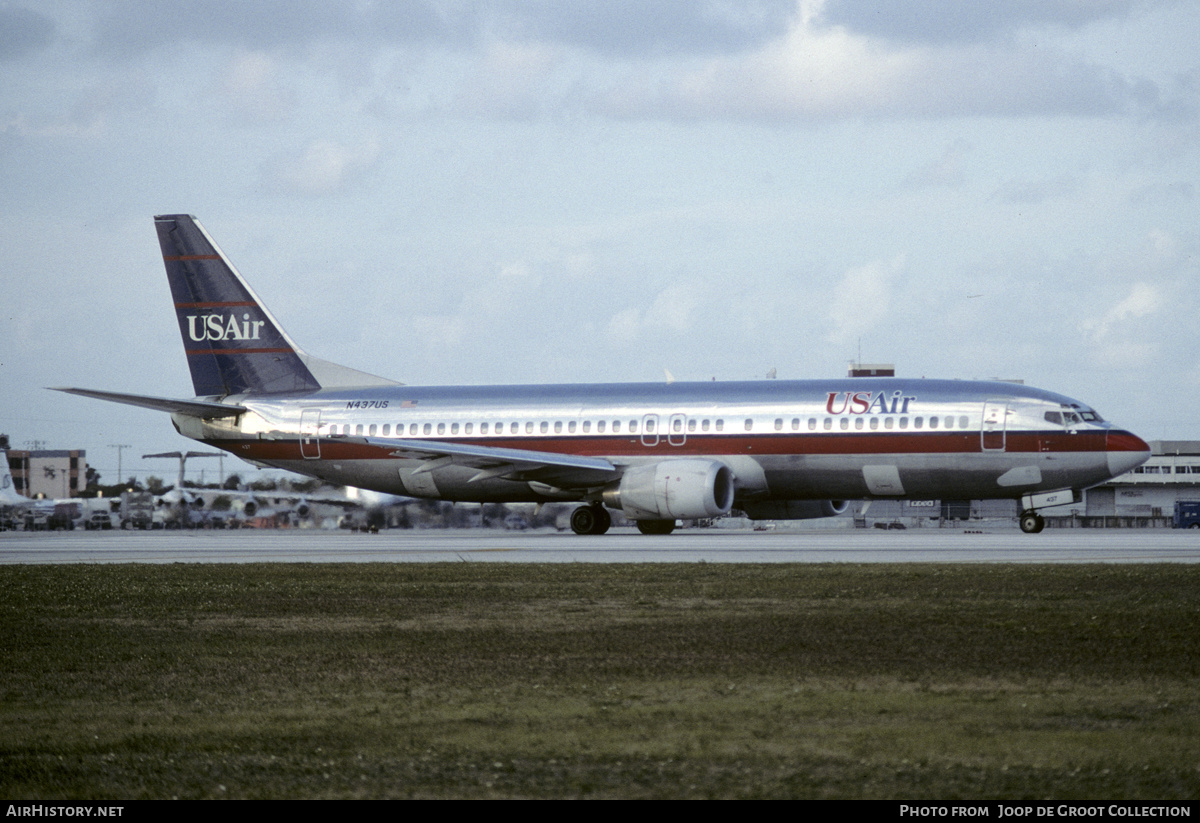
{"type": "Point", "coordinates": [1125, 451]}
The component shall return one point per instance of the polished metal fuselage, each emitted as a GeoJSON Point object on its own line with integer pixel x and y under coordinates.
{"type": "Point", "coordinates": [784, 440]}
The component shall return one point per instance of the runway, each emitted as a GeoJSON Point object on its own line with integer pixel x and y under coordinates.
{"type": "Point", "coordinates": [1000, 545]}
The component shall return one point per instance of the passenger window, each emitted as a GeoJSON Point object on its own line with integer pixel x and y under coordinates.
{"type": "Point", "coordinates": [412, 428]}
{"type": "Point", "coordinates": [949, 424]}
{"type": "Point", "coordinates": [454, 428]}
{"type": "Point", "coordinates": [529, 427]}
{"type": "Point", "coordinates": [704, 426]}
{"type": "Point", "coordinates": [371, 430]}
{"type": "Point", "coordinates": [778, 424]}
{"type": "Point", "coordinates": [828, 423]}
{"type": "Point", "coordinates": [633, 425]}
{"type": "Point", "coordinates": [888, 422]}
{"type": "Point", "coordinates": [795, 424]}
{"type": "Point", "coordinates": [587, 426]}
{"type": "Point", "coordinates": [812, 424]}
{"type": "Point", "coordinates": [904, 422]}
{"type": "Point", "coordinates": [692, 425]}
{"type": "Point", "coordinates": [720, 425]}
{"type": "Point", "coordinates": [545, 427]}
{"type": "Point", "coordinates": [600, 426]}
{"type": "Point", "coordinates": [616, 426]}
{"type": "Point", "coordinates": [933, 422]}
{"type": "Point", "coordinates": [917, 421]}
{"type": "Point", "coordinates": [858, 423]}
{"type": "Point", "coordinates": [845, 423]}
{"type": "Point", "coordinates": [678, 425]}
{"type": "Point", "coordinates": [470, 427]}
{"type": "Point", "coordinates": [441, 428]}
{"type": "Point", "coordinates": [387, 429]}
{"type": "Point", "coordinates": [749, 424]}
{"type": "Point", "coordinates": [571, 427]}
{"type": "Point", "coordinates": [962, 422]}
{"type": "Point", "coordinates": [515, 427]}
{"type": "Point", "coordinates": [874, 422]}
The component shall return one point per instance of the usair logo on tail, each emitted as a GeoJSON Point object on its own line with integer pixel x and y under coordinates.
{"type": "Point", "coordinates": [203, 327]}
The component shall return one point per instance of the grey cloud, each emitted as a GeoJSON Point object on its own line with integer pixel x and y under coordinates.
{"type": "Point", "coordinates": [936, 21]}
{"type": "Point", "coordinates": [628, 27]}
{"type": "Point", "coordinates": [23, 31]}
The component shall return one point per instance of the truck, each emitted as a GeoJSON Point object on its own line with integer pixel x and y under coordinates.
{"type": "Point", "coordinates": [1187, 515]}
{"type": "Point", "coordinates": [137, 510]}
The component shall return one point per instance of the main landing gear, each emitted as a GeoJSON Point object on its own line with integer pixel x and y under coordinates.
{"type": "Point", "coordinates": [1032, 523]}
{"type": "Point", "coordinates": [592, 519]}
{"type": "Point", "coordinates": [656, 526]}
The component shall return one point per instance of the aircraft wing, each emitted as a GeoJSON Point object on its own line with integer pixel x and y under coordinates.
{"type": "Point", "coordinates": [566, 470]}
{"type": "Point", "coordinates": [197, 408]}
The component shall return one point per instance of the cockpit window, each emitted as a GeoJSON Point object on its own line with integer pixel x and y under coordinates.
{"type": "Point", "coordinates": [1054, 417]}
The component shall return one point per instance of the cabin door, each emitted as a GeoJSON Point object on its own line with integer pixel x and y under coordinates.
{"type": "Point", "coordinates": [995, 422]}
{"type": "Point", "coordinates": [310, 425]}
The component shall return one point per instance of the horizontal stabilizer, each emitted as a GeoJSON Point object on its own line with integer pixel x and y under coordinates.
{"type": "Point", "coordinates": [196, 408]}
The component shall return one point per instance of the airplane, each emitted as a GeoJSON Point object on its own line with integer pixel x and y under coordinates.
{"type": "Point", "coordinates": [45, 512]}
{"type": "Point", "coordinates": [184, 508]}
{"type": "Point", "coordinates": [658, 453]}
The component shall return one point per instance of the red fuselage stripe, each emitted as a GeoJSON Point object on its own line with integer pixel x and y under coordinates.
{"type": "Point", "coordinates": [764, 445]}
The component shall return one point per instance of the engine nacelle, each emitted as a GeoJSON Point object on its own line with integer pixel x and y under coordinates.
{"type": "Point", "coordinates": [671, 489]}
{"type": "Point", "coordinates": [250, 507]}
{"type": "Point", "coordinates": [794, 509]}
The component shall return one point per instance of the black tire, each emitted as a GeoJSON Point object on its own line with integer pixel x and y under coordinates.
{"type": "Point", "coordinates": [583, 520]}
{"type": "Point", "coordinates": [1032, 523]}
{"type": "Point", "coordinates": [656, 526]}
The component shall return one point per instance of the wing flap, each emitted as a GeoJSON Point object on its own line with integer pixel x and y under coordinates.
{"type": "Point", "coordinates": [511, 464]}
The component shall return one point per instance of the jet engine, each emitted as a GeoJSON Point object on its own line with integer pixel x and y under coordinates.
{"type": "Point", "coordinates": [671, 489]}
{"type": "Point", "coordinates": [794, 509]}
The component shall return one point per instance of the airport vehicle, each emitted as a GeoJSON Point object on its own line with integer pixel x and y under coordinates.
{"type": "Point", "coordinates": [137, 510]}
{"type": "Point", "coordinates": [657, 452]}
{"type": "Point", "coordinates": [1187, 515]}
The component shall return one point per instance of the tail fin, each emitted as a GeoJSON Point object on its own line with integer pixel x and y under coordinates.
{"type": "Point", "coordinates": [9, 496]}
{"type": "Point", "coordinates": [233, 344]}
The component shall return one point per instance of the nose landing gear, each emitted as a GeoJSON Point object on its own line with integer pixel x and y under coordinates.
{"type": "Point", "coordinates": [1032, 523]}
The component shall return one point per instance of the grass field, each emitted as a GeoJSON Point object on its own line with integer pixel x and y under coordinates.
{"type": "Point", "coordinates": [664, 680]}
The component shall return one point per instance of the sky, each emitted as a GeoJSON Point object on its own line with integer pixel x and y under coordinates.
{"type": "Point", "coordinates": [593, 191]}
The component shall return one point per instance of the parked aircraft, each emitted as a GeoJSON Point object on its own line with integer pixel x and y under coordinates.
{"type": "Point", "coordinates": [657, 452]}
{"type": "Point", "coordinates": [182, 507]}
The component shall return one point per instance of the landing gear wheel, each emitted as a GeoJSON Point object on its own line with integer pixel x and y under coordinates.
{"type": "Point", "coordinates": [590, 520]}
{"type": "Point", "coordinates": [656, 526]}
{"type": "Point", "coordinates": [1032, 523]}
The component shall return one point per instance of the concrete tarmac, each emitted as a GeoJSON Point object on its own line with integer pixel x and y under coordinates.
{"type": "Point", "coordinates": [997, 545]}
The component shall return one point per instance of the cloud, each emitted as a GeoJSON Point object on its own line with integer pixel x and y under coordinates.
{"type": "Point", "coordinates": [1143, 300]}
{"type": "Point", "coordinates": [940, 21]}
{"type": "Point", "coordinates": [23, 32]}
{"type": "Point", "coordinates": [670, 314]}
{"type": "Point", "coordinates": [862, 300]}
{"type": "Point", "coordinates": [323, 167]}
{"type": "Point", "coordinates": [817, 72]}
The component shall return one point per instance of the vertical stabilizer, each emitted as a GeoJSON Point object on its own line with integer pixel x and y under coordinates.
{"type": "Point", "coordinates": [233, 344]}
{"type": "Point", "coordinates": [8, 492]}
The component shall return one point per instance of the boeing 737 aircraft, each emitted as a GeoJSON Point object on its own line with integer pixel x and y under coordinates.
{"type": "Point", "coordinates": [656, 452]}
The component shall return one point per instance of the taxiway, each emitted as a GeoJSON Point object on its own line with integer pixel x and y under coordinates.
{"type": "Point", "coordinates": [619, 546]}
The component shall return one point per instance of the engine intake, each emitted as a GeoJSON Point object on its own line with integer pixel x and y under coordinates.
{"type": "Point", "coordinates": [671, 489]}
